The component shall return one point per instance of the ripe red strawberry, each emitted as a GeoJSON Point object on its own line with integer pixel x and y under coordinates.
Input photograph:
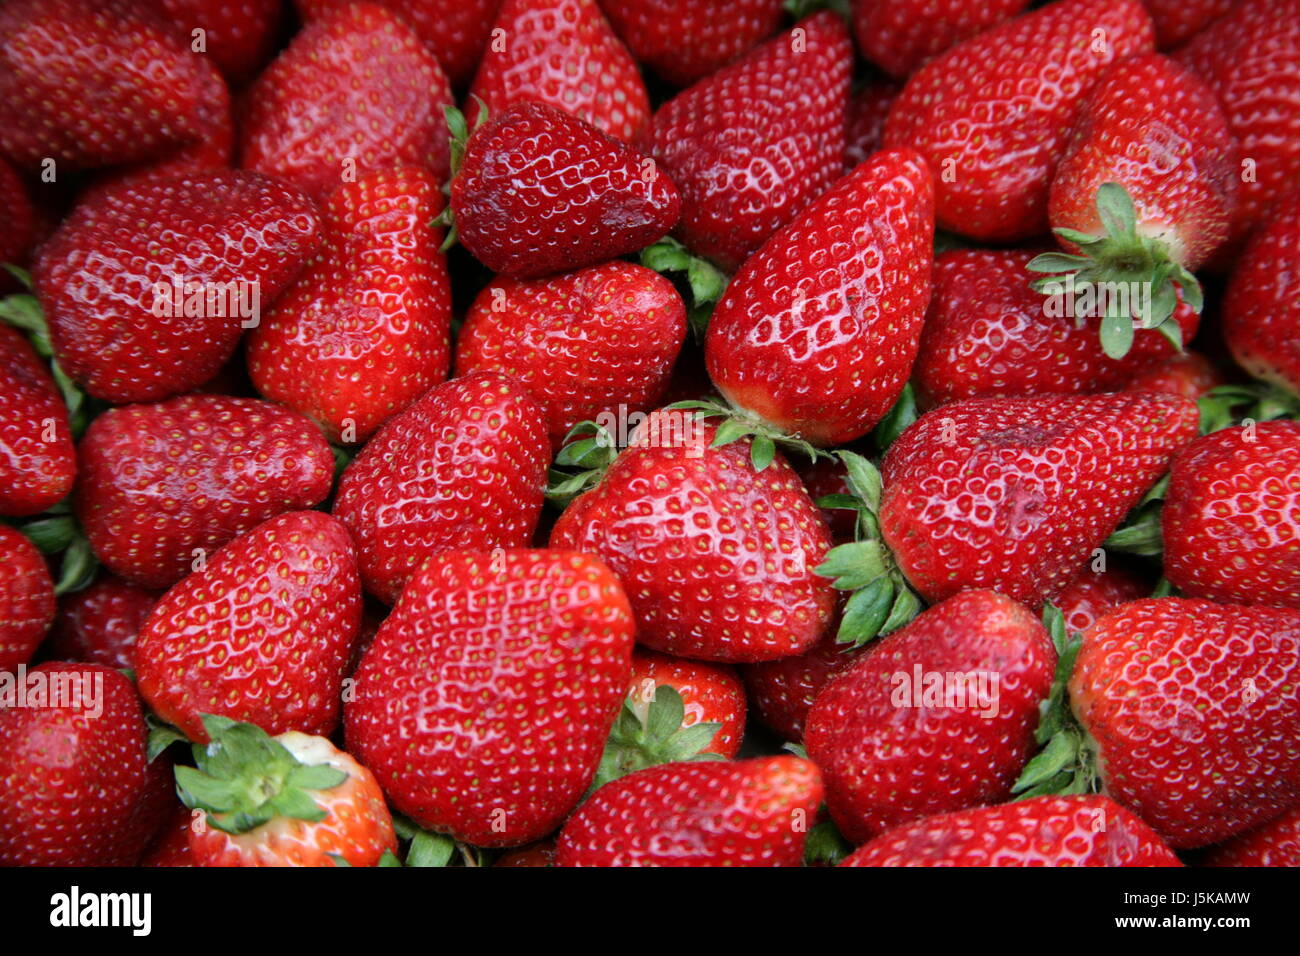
{"type": "Point", "coordinates": [782, 691]}
{"type": "Point", "coordinates": [100, 624]}
{"type": "Point", "coordinates": [1276, 843]}
{"type": "Point", "coordinates": [750, 813]}
{"type": "Point", "coordinates": [262, 633]}
{"type": "Point", "coordinates": [1231, 516]}
{"type": "Point", "coordinates": [603, 339]}
{"type": "Point", "coordinates": [20, 221]}
{"type": "Point", "coordinates": [1084, 830]}
{"type": "Point", "coordinates": [1097, 592]}
{"type": "Point", "coordinates": [1188, 374]}
{"type": "Point", "coordinates": [163, 486]}
{"type": "Point", "coordinates": [92, 83]}
{"type": "Point", "coordinates": [464, 467]}
{"type": "Point", "coordinates": [484, 702]}
{"type": "Point", "coordinates": [364, 330]}
{"type": "Point", "coordinates": [26, 598]}
{"type": "Point", "coordinates": [540, 191]}
{"type": "Point", "coordinates": [710, 694]}
{"type": "Point", "coordinates": [686, 40]}
{"type": "Point", "coordinates": [1250, 58]}
{"type": "Point", "coordinates": [864, 131]}
{"type": "Point", "coordinates": [816, 334]}
{"type": "Point", "coordinates": [539, 854]}
{"type": "Point", "coordinates": [171, 847]}
{"type": "Point", "coordinates": [1177, 21]}
{"type": "Point", "coordinates": [1193, 713]}
{"type": "Point", "coordinates": [356, 90]}
{"type": "Point", "coordinates": [289, 800]}
{"type": "Point", "coordinates": [753, 144]}
{"type": "Point", "coordinates": [146, 288]}
{"type": "Point", "coordinates": [994, 143]}
{"type": "Point", "coordinates": [38, 463]}
{"type": "Point", "coordinates": [238, 37]}
{"type": "Point", "coordinates": [899, 35]}
{"type": "Point", "coordinates": [716, 556]}
{"type": "Point", "coordinates": [75, 787]}
{"type": "Point", "coordinates": [988, 333]}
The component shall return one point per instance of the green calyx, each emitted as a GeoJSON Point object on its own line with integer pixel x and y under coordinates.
{"type": "Point", "coordinates": [589, 449]}
{"type": "Point", "coordinates": [55, 533]}
{"type": "Point", "coordinates": [651, 732]}
{"type": "Point", "coordinates": [738, 424]}
{"type": "Point", "coordinates": [458, 134]}
{"type": "Point", "coordinates": [23, 311]}
{"type": "Point", "coordinates": [244, 778]}
{"type": "Point", "coordinates": [882, 600]}
{"type": "Point", "coordinates": [1141, 531]}
{"type": "Point", "coordinates": [896, 420]}
{"type": "Point", "coordinates": [1130, 264]}
{"type": "Point", "coordinates": [702, 283]}
{"type": "Point", "coordinates": [424, 848]}
{"type": "Point", "coordinates": [1230, 405]}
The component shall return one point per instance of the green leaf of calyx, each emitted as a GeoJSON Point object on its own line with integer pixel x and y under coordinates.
{"type": "Point", "coordinates": [896, 420]}
{"type": "Point", "coordinates": [430, 849]}
{"type": "Point", "coordinates": [700, 282]}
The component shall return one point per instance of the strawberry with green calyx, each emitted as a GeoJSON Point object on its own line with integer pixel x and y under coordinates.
{"type": "Point", "coordinates": [702, 279]}
{"type": "Point", "coordinates": [23, 312]}
{"type": "Point", "coordinates": [651, 734]}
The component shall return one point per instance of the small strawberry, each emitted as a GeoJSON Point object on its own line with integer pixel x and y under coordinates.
{"type": "Point", "coordinates": [355, 91]}
{"type": "Point", "coordinates": [262, 633]}
{"type": "Point", "coordinates": [464, 467]}
{"type": "Point", "coordinates": [26, 598]}
{"type": "Point", "coordinates": [562, 53]}
{"type": "Point", "coordinates": [751, 813]}
{"type": "Point", "coordinates": [1188, 374]}
{"type": "Point", "coordinates": [541, 191]}
{"type": "Point", "coordinates": [602, 340]}
{"type": "Point", "coordinates": [484, 701]}
{"type": "Point", "coordinates": [993, 144]}
{"type": "Point", "coordinates": [163, 486]}
{"type": "Point", "coordinates": [899, 35]}
{"type": "Point", "coordinates": [289, 800]}
{"type": "Point", "coordinates": [864, 131]}
{"type": "Point", "coordinates": [753, 144]}
{"type": "Point", "coordinates": [1177, 21]}
{"type": "Point", "coordinates": [238, 37]}
{"type": "Point", "coordinates": [364, 330]}
{"type": "Point", "coordinates": [1096, 592]}
{"type": "Point", "coordinates": [783, 691]}
{"type": "Point", "coordinates": [1276, 843]}
{"type": "Point", "coordinates": [1084, 830]}
{"type": "Point", "coordinates": [100, 624]}
{"type": "Point", "coordinates": [38, 463]}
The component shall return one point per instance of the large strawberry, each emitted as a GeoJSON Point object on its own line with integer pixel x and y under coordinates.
{"type": "Point", "coordinates": [464, 467]}
{"type": "Point", "coordinates": [163, 486]}
{"type": "Point", "coordinates": [356, 90]}
{"type": "Point", "coordinates": [146, 288]}
{"type": "Point", "coordinates": [238, 36]}
{"type": "Point", "coordinates": [562, 53]}
{"type": "Point", "coordinates": [484, 702]}
{"type": "Point", "coordinates": [1045, 831]}
{"type": "Point", "coordinates": [783, 691]}
{"type": "Point", "coordinates": [753, 144]}
{"type": "Point", "coordinates": [1177, 21]}
{"type": "Point", "coordinates": [26, 598]}
{"type": "Point", "coordinates": [751, 813]}
{"type": "Point", "coordinates": [100, 624]}
{"type": "Point", "coordinates": [900, 35]}
{"type": "Point", "coordinates": [541, 191]}
{"type": "Point", "coordinates": [816, 334]}
{"type": "Point", "coordinates": [599, 341]}
{"type": "Point", "coordinates": [994, 143]}
{"type": "Point", "coordinates": [1276, 843]}
{"type": "Point", "coordinates": [37, 460]}
{"type": "Point", "coordinates": [364, 330]}
{"type": "Point", "coordinates": [263, 633]}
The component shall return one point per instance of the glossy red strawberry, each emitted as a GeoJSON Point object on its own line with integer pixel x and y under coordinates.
{"type": "Point", "coordinates": [710, 693]}
{"type": "Point", "coordinates": [356, 90]}
{"type": "Point", "coordinates": [1177, 21]}
{"type": "Point", "coordinates": [100, 624]}
{"type": "Point", "coordinates": [751, 813]}
{"type": "Point", "coordinates": [26, 598]}
{"type": "Point", "coordinates": [1276, 843]}
{"type": "Point", "coordinates": [364, 330]}
{"type": "Point", "coordinates": [484, 702]}
{"type": "Point", "coordinates": [37, 460]}
{"type": "Point", "coordinates": [539, 854]}
{"type": "Point", "coordinates": [816, 334]}
{"type": "Point", "coordinates": [782, 691]}
{"type": "Point", "coordinates": [238, 37]}
{"type": "Point", "coordinates": [163, 486]}
{"type": "Point", "coordinates": [864, 131]}
{"type": "Point", "coordinates": [1188, 374]}
{"type": "Point", "coordinates": [900, 35]}
{"type": "Point", "coordinates": [1096, 592]}
{"type": "Point", "coordinates": [1085, 830]}
{"type": "Point", "coordinates": [262, 633]}
{"type": "Point", "coordinates": [147, 288]}
{"type": "Point", "coordinates": [540, 191]}
{"type": "Point", "coordinates": [603, 339]}
{"type": "Point", "coordinates": [462, 468]}
{"type": "Point", "coordinates": [753, 144]}
{"type": "Point", "coordinates": [994, 143]}
{"type": "Point", "coordinates": [1193, 711]}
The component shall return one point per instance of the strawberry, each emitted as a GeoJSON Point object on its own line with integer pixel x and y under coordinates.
{"type": "Point", "coordinates": [146, 287]}
{"type": "Point", "coordinates": [364, 330]}
{"type": "Point", "coordinates": [539, 854]}
{"type": "Point", "coordinates": [716, 555]}
{"type": "Point", "coordinates": [355, 91]}
{"type": "Point", "coordinates": [899, 35]}
{"type": "Point", "coordinates": [163, 486]}
{"type": "Point", "coordinates": [1276, 843]}
{"type": "Point", "coordinates": [484, 701]}
{"type": "Point", "coordinates": [262, 633]}
{"type": "Point", "coordinates": [1177, 21]}
{"type": "Point", "coordinates": [993, 144]}
{"type": "Point", "coordinates": [751, 813]}
{"type": "Point", "coordinates": [752, 145]}
{"type": "Point", "coordinates": [1192, 711]}
{"type": "Point", "coordinates": [20, 218]}
{"type": "Point", "coordinates": [599, 341]}
{"type": "Point", "coordinates": [464, 467]}
{"type": "Point", "coordinates": [38, 463]}
{"type": "Point", "coordinates": [562, 53]}
{"type": "Point", "coordinates": [816, 334]}
{"type": "Point", "coordinates": [1096, 592]}
{"type": "Point", "coordinates": [782, 691]}
{"type": "Point", "coordinates": [828, 476]}
{"type": "Point", "coordinates": [171, 847]}
{"type": "Point", "coordinates": [100, 624]}
{"type": "Point", "coordinates": [864, 131]}
{"type": "Point", "coordinates": [288, 800]}
{"type": "Point", "coordinates": [238, 37]}
{"type": "Point", "coordinates": [686, 40]}
{"type": "Point", "coordinates": [26, 598]}
{"type": "Point", "coordinates": [75, 787]}
{"type": "Point", "coordinates": [1231, 516]}
{"type": "Point", "coordinates": [541, 191]}
{"type": "Point", "coordinates": [1084, 830]}
{"type": "Point", "coordinates": [1188, 374]}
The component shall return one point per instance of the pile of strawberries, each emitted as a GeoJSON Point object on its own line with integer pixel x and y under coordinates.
{"type": "Point", "coordinates": [745, 434]}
